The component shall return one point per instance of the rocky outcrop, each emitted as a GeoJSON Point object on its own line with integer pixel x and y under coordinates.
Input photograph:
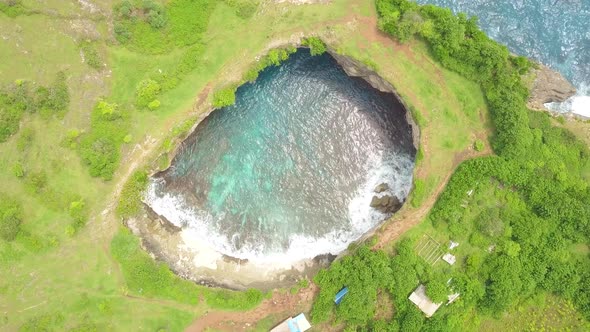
{"type": "Point", "coordinates": [355, 68]}
{"type": "Point", "coordinates": [386, 203]}
{"type": "Point", "coordinates": [381, 188]}
{"type": "Point", "coordinates": [549, 86]}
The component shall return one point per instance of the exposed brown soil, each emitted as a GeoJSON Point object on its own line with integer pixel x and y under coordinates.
{"type": "Point", "coordinates": [283, 303]}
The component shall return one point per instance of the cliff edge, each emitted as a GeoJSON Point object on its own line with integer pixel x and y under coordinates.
{"type": "Point", "coordinates": [548, 86]}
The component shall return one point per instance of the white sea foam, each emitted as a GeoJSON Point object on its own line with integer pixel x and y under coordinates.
{"type": "Point", "coordinates": [198, 230]}
{"type": "Point", "coordinates": [578, 104]}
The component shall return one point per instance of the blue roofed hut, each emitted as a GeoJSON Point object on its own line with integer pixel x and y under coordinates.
{"type": "Point", "coordinates": [340, 295]}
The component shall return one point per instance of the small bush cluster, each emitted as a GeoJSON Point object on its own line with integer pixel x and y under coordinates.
{"type": "Point", "coordinates": [315, 44]}
{"type": "Point", "coordinates": [11, 215]}
{"type": "Point", "coordinates": [24, 97]}
{"type": "Point", "coordinates": [78, 211]}
{"type": "Point", "coordinates": [224, 97]}
{"type": "Point", "coordinates": [147, 92]}
{"type": "Point", "coordinates": [150, 27]}
{"type": "Point", "coordinates": [273, 58]}
{"type": "Point", "coordinates": [91, 55]}
{"type": "Point", "coordinates": [100, 147]}
{"type": "Point", "coordinates": [130, 201]}
{"type": "Point", "coordinates": [13, 8]}
{"type": "Point", "coordinates": [245, 9]}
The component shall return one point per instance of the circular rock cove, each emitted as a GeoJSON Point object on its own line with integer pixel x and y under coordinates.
{"type": "Point", "coordinates": [305, 162]}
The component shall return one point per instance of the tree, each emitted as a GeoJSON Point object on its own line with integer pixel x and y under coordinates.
{"type": "Point", "coordinates": [147, 91]}
{"type": "Point", "coordinates": [437, 290]}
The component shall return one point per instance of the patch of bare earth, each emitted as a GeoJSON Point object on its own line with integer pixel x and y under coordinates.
{"type": "Point", "coordinates": [281, 303]}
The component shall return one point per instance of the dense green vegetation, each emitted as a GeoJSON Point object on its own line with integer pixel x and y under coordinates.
{"type": "Point", "coordinates": [517, 231]}
{"type": "Point", "coordinates": [315, 44]}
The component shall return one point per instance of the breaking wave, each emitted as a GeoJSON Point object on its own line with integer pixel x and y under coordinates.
{"type": "Point", "coordinates": [289, 171]}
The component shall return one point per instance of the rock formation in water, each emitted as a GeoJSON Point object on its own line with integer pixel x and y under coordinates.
{"type": "Point", "coordinates": [381, 188]}
{"type": "Point", "coordinates": [386, 203]}
{"type": "Point", "coordinates": [549, 86]}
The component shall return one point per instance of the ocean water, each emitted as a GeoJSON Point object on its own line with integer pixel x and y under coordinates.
{"type": "Point", "coordinates": [554, 32]}
{"type": "Point", "coordinates": [288, 172]}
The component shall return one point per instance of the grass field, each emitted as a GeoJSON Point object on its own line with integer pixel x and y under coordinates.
{"type": "Point", "coordinates": [54, 280]}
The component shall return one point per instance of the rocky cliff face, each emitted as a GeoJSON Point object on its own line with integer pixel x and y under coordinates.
{"type": "Point", "coordinates": [549, 86]}
{"type": "Point", "coordinates": [355, 68]}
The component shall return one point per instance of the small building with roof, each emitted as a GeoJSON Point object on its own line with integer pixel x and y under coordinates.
{"type": "Point", "coordinates": [425, 304]}
{"type": "Point", "coordinates": [422, 301]}
{"type": "Point", "coordinates": [297, 324]}
{"type": "Point", "coordinates": [340, 295]}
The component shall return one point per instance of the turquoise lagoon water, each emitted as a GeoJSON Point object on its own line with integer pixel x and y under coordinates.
{"type": "Point", "coordinates": [288, 172]}
{"type": "Point", "coordinates": [554, 32]}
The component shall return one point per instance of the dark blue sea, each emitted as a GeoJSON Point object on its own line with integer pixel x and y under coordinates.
{"type": "Point", "coordinates": [554, 32]}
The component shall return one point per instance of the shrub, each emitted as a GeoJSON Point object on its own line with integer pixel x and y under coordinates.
{"type": "Point", "coordinates": [130, 201]}
{"type": "Point", "coordinates": [437, 289]}
{"type": "Point", "coordinates": [36, 182]}
{"type": "Point", "coordinates": [56, 99]}
{"type": "Point", "coordinates": [147, 91]}
{"type": "Point", "coordinates": [25, 139]}
{"type": "Point", "coordinates": [13, 8]}
{"type": "Point", "coordinates": [11, 214]}
{"type": "Point", "coordinates": [99, 148]}
{"type": "Point", "coordinates": [14, 101]}
{"type": "Point", "coordinates": [18, 170]}
{"type": "Point", "coordinates": [153, 105]}
{"type": "Point", "coordinates": [224, 97]}
{"type": "Point", "coordinates": [100, 153]}
{"type": "Point", "coordinates": [315, 44]}
{"type": "Point", "coordinates": [246, 10]}
{"type": "Point", "coordinates": [479, 145]}
{"type": "Point", "coordinates": [79, 213]}
{"type": "Point", "coordinates": [91, 55]}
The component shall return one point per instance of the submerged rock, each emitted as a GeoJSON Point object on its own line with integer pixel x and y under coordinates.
{"type": "Point", "coordinates": [386, 203]}
{"type": "Point", "coordinates": [549, 86]}
{"type": "Point", "coordinates": [381, 188]}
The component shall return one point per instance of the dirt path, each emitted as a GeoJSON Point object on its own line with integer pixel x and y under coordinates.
{"type": "Point", "coordinates": [283, 303]}
{"type": "Point", "coordinates": [410, 218]}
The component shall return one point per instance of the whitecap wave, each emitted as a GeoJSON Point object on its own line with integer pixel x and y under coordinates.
{"type": "Point", "coordinates": [198, 224]}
